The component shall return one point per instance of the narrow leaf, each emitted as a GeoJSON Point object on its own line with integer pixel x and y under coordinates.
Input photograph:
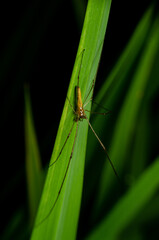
{"type": "Point", "coordinates": [33, 161]}
{"type": "Point", "coordinates": [60, 222]}
{"type": "Point", "coordinates": [129, 206]}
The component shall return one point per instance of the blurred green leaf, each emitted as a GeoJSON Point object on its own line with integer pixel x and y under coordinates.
{"type": "Point", "coordinates": [33, 161]}
{"type": "Point", "coordinates": [112, 89]}
{"type": "Point", "coordinates": [127, 117]}
{"type": "Point", "coordinates": [129, 205]}
{"type": "Point", "coordinates": [79, 11]}
{"type": "Point", "coordinates": [16, 227]}
{"type": "Point", "coordinates": [111, 95]}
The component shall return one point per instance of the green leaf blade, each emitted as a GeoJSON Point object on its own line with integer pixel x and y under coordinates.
{"type": "Point", "coordinates": [129, 206]}
{"type": "Point", "coordinates": [61, 223]}
{"type": "Point", "coordinates": [33, 161]}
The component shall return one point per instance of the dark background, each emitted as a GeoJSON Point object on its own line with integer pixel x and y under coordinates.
{"type": "Point", "coordinates": [38, 45]}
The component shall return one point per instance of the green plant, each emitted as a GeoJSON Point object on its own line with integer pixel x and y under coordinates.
{"type": "Point", "coordinates": [66, 212]}
{"type": "Point", "coordinates": [100, 207]}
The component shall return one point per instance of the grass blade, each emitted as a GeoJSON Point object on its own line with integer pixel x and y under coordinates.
{"type": "Point", "coordinates": [33, 161]}
{"type": "Point", "coordinates": [62, 222]}
{"type": "Point", "coordinates": [129, 206]}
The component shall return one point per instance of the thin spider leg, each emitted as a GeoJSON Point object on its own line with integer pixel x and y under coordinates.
{"type": "Point", "coordinates": [104, 113]}
{"type": "Point", "coordinates": [100, 106]}
{"type": "Point", "coordinates": [71, 105]}
{"type": "Point", "coordinates": [67, 136]}
{"type": "Point", "coordinates": [91, 89]}
{"type": "Point", "coordinates": [103, 149]}
{"type": "Point", "coordinates": [91, 99]}
{"type": "Point", "coordinates": [101, 113]}
{"type": "Point", "coordinates": [61, 183]}
{"type": "Point", "coordinates": [80, 67]}
{"type": "Point", "coordinates": [63, 145]}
